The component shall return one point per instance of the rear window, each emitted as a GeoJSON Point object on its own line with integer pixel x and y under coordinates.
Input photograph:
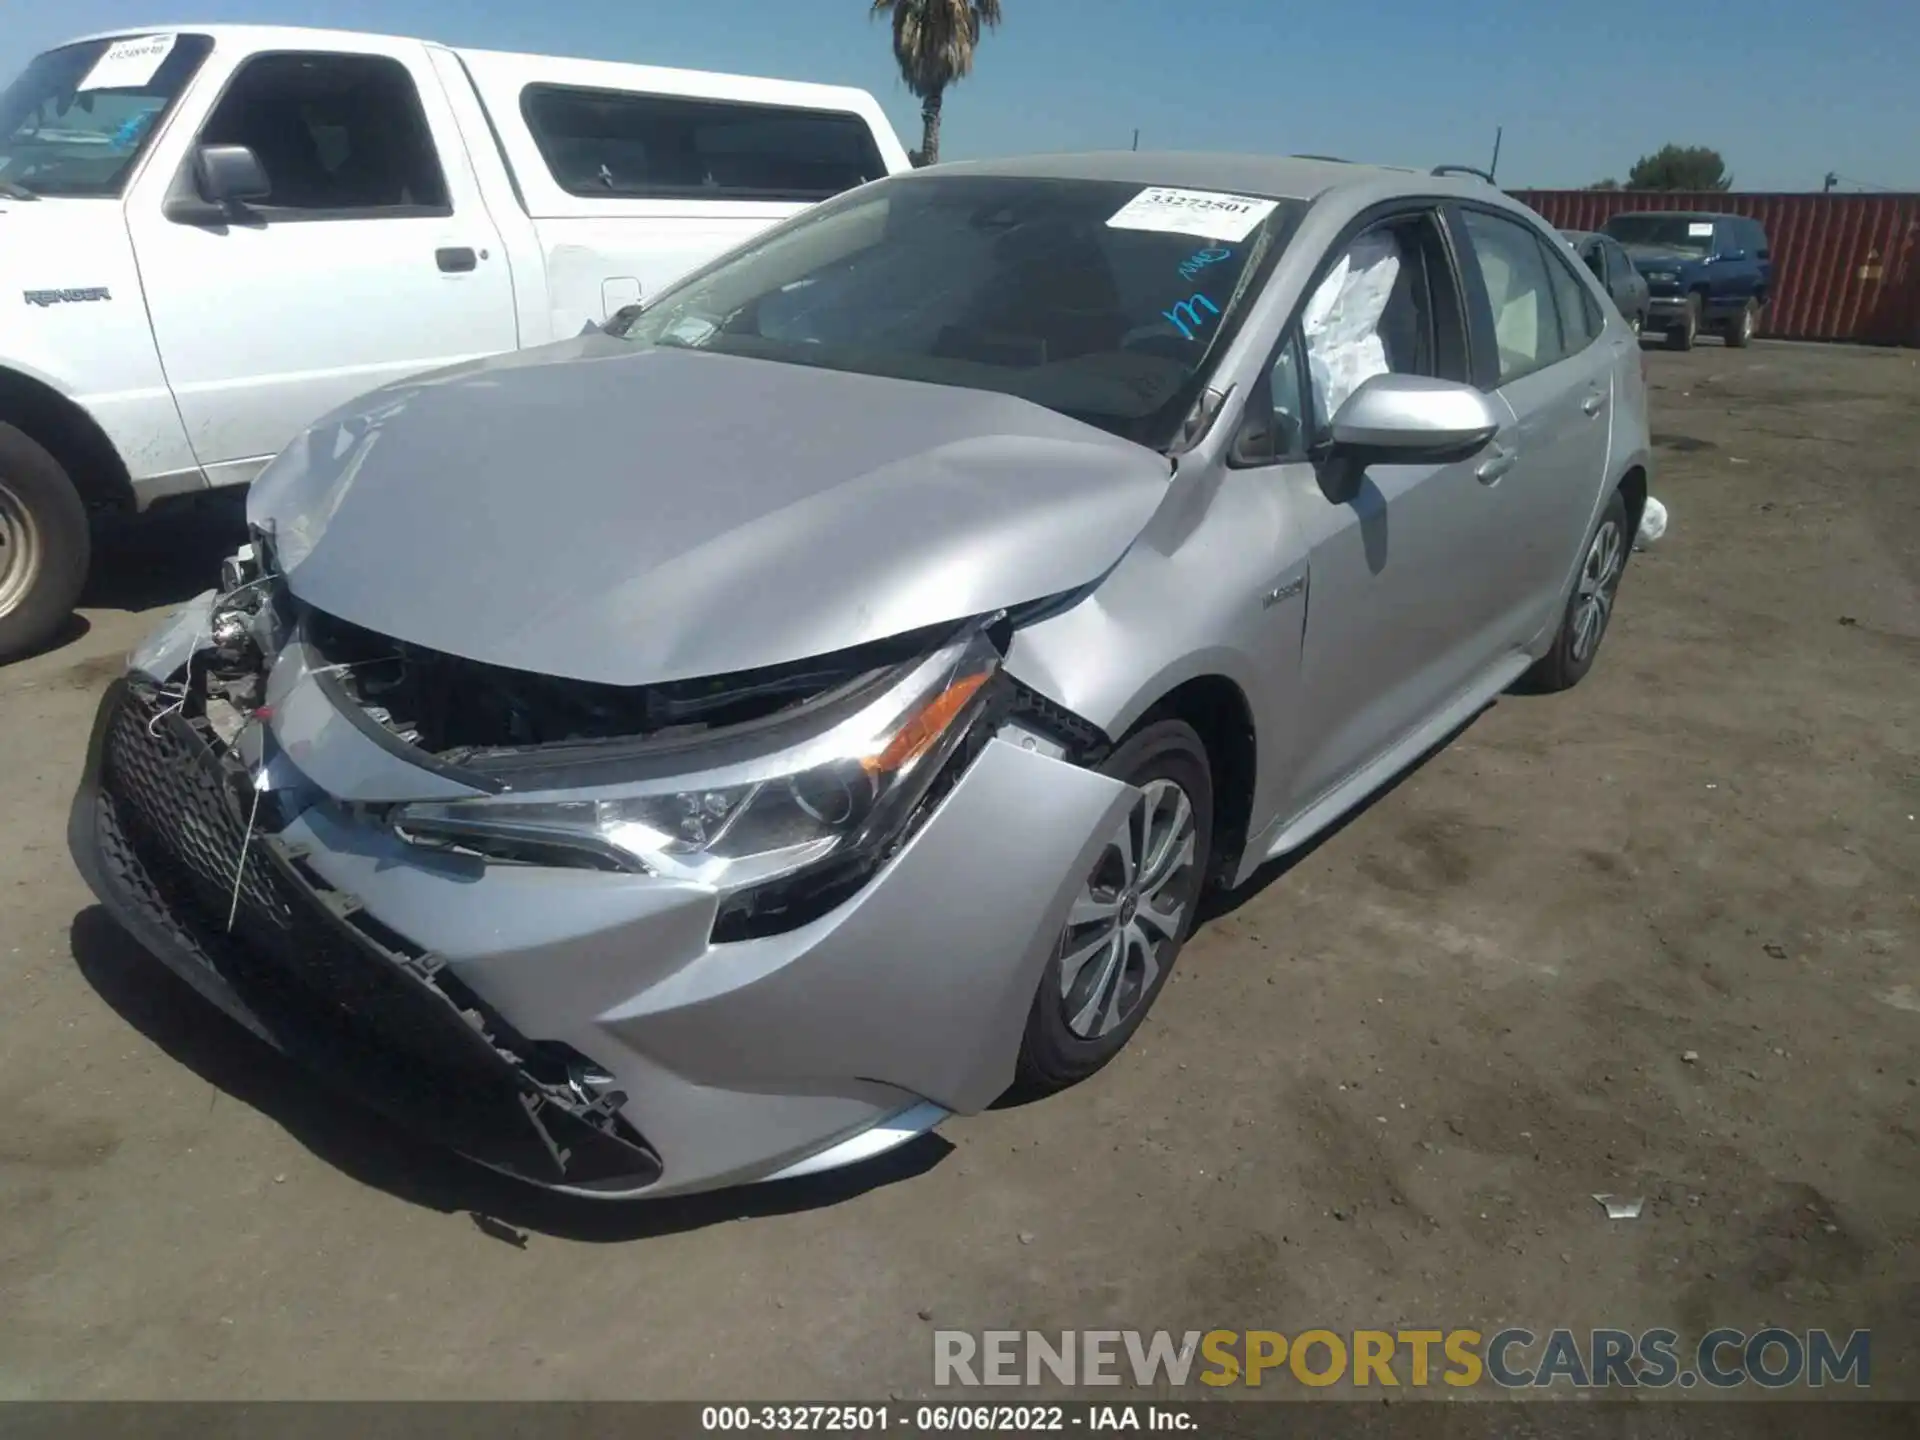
{"type": "Point", "coordinates": [617, 143]}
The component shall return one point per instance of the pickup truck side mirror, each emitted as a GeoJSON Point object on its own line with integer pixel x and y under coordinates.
{"type": "Point", "coordinates": [229, 174]}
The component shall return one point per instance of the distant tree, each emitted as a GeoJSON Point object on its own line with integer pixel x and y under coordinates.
{"type": "Point", "coordinates": [1607, 184]}
{"type": "Point", "coordinates": [1680, 167]}
{"type": "Point", "coordinates": [934, 42]}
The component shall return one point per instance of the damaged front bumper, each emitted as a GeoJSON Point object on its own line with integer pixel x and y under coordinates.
{"type": "Point", "coordinates": [582, 1029]}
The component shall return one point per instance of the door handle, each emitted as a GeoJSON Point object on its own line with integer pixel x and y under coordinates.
{"type": "Point", "coordinates": [1492, 469]}
{"type": "Point", "coordinates": [455, 259]}
{"type": "Point", "coordinates": [1593, 403]}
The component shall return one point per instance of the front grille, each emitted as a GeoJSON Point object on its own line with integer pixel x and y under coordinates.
{"type": "Point", "coordinates": [332, 987]}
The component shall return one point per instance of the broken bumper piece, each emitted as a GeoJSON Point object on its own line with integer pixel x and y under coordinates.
{"type": "Point", "coordinates": [583, 1029]}
{"type": "Point", "coordinates": [161, 831]}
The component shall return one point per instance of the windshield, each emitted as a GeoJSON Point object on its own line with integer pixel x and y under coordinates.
{"type": "Point", "coordinates": [77, 118]}
{"type": "Point", "coordinates": [1673, 234]}
{"type": "Point", "coordinates": [1097, 299]}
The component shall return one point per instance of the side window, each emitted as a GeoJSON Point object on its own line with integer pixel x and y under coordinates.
{"type": "Point", "coordinates": [617, 143]}
{"type": "Point", "coordinates": [1580, 319]}
{"type": "Point", "coordinates": [335, 133]}
{"type": "Point", "coordinates": [1292, 417]}
{"type": "Point", "coordinates": [1595, 254]}
{"type": "Point", "coordinates": [1388, 305]}
{"type": "Point", "coordinates": [1513, 265]}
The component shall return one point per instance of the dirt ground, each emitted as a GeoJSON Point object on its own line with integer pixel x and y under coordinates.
{"type": "Point", "coordinates": [1656, 937]}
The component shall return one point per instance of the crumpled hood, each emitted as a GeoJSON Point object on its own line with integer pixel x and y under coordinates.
{"type": "Point", "coordinates": [633, 516]}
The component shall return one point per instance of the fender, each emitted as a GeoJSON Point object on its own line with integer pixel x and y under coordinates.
{"type": "Point", "coordinates": [74, 322]}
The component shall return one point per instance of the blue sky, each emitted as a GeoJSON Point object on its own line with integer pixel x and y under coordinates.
{"type": "Point", "coordinates": [1785, 90]}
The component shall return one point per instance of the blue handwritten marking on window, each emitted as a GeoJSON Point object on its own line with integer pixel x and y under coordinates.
{"type": "Point", "coordinates": [1200, 259]}
{"type": "Point", "coordinates": [131, 129]}
{"type": "Point", "coordinates": [1185, 317]}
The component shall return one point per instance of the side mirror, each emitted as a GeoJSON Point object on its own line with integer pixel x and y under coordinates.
{"type": "Point", "coordinates": [229, 174]}
{"type": "Point", "coordinates": [1413, 420]}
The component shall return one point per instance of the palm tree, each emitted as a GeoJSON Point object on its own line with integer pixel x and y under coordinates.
{"type": "Point", "coordinates": [934, 41]}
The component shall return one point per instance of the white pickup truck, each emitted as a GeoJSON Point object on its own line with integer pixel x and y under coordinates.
{"type": "Point", "coordinates": [211, 236]}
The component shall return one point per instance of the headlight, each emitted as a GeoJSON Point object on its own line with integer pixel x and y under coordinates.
{"type": "Point", "coordinates": [836, 796]}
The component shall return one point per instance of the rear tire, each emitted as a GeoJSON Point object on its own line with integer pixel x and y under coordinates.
{"type": "Point", "coordinates": [1741, 327]}
{"type": "Point", "coordinates": [44, 544]}
{"type": "Point", "coordinates": [1113, 960]}
{"type": "Point", "coordinates": [1682, 335]}
{"type": "Point", "coordinates": [1583, 625]}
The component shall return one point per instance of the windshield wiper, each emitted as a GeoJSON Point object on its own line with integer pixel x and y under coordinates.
{"type": "Point", "coordinates": [15, 192]}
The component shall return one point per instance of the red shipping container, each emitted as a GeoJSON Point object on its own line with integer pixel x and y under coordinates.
{"type": "Point", "coordinates": [1845, 267]}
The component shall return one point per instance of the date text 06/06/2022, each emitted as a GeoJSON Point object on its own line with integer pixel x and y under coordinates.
{"type": "Point", "coordinates": [937, 1419]}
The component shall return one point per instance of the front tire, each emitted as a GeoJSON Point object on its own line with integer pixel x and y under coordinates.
{"type": "Point", "coordinates": [1682, 336]}
{"type": "Point", "coordinates": [1741, 327]}
{"type": "Point", "coordinates": [1583, 625]}
{"type": "Point", "coordinates": [45, 545]}
{"type": "Point", "coordinates": [1134, 911]}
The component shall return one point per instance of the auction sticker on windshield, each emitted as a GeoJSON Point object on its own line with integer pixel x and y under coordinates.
{"type": "Point", "coordinates": [1207, 214]}
{"type": "Point", "coordinates": [128, 64]}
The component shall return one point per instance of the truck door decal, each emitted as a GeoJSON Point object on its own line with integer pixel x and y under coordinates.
{"type": "Point", "coordinates": [44, 298]}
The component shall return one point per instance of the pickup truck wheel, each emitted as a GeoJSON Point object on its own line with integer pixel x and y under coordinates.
{"type": "Point", "coordinates": [44, 544]}
{"type": "Point", "coordinates": [1682, 335]}
{"type": "Point", "coordinates": [1741, 327]}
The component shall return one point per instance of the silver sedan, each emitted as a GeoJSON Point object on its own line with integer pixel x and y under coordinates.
{"type": "Point", "coordinates": [722, 749]}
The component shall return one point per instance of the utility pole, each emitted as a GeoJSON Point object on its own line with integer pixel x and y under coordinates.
{"type": "Point", "coordinates": [1136, 137]}
{"type": "Point", "coordinates": [1498, 131]}
{"type": "Point", "coordinates": [1826, 186]}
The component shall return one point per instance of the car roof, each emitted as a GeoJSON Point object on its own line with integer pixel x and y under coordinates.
{"type": "Point", "coordinates": [1577, 236]}
{"type": "Point", "coordinates": [1266, 176]}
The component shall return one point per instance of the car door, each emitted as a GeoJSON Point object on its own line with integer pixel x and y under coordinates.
{"type": "Point", "coordinates": [1624, 283]}
{"type": "Point", "coordinates": [1553, 360]}
{"type": "Point", "coordinates": [371, 258]}
{"type": "Point", "coordinates": [1399, 612]}
{"type": "Point", "coordinates": [1762, 251]}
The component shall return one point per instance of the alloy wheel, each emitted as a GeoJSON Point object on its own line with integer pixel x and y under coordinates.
{"type": "Point", "coordinates": [1123, 929]}
{"type": "Point", "coordinates": [19, 549]}
{"type": "Point", "coordinates": [1599, 579]}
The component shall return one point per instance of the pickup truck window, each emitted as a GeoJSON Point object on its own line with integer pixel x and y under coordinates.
{"type": "Point", "coordinates": [611, 142]}
{"type": "Point", "coordinates": [1658, 234]}
{"type": "Point", "coordinates": [70, 125]}
{"type": "Point", "coordinates": [338, 135]}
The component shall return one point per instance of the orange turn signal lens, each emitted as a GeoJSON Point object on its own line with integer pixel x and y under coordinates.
{"type": "Point", "coordinates": [923, 729]}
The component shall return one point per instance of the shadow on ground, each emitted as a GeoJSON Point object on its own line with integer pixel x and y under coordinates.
{"type": "Point", "coordinates": [168, 555]}
{"type": "Point", "coordinates": [149, 997]}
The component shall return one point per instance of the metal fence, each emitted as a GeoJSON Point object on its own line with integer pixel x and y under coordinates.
{"type": "Point", "coordinates": [1846, 267]}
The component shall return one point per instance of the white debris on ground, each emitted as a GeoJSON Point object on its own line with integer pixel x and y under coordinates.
{"type": "Point", "coordinates": [1653, 522]}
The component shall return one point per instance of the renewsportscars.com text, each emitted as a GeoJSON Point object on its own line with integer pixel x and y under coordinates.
{"type": "Point", "coordinates": [1513, 1358]}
